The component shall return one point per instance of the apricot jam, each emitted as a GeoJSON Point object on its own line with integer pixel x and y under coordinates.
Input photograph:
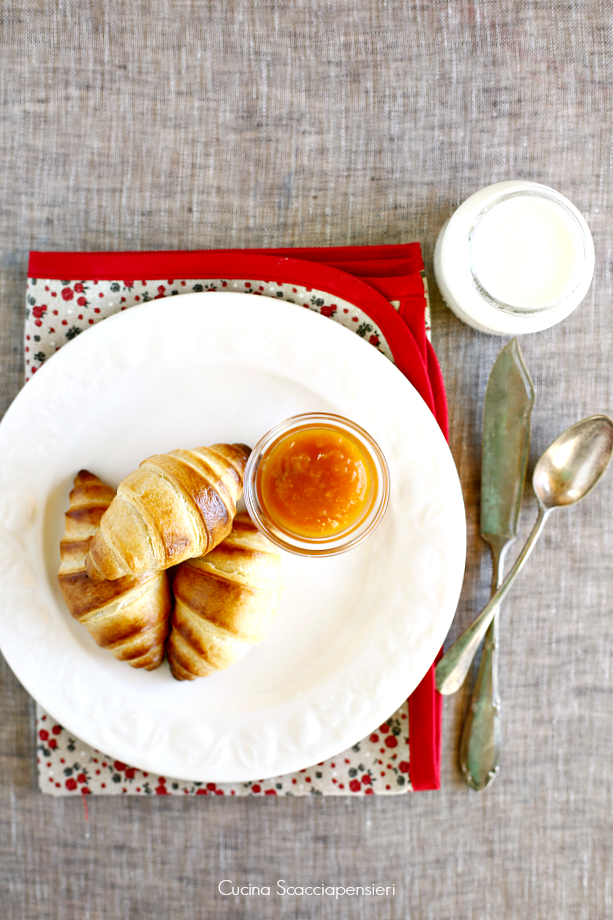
{"type": "Point", "coordinates": [316, 482]}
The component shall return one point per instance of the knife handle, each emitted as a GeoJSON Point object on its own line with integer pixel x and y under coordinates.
{"type": "Point", "coordinates": [480, 745]}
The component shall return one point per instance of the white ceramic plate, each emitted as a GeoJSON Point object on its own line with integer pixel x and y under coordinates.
{"type": "Point", "coordinates": [355, 633]}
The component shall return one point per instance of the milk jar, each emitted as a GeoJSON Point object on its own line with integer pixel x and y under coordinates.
{"type": "Point", "coordinates": [515, 257]}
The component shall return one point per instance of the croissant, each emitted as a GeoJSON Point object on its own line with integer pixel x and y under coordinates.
{"type": "Point", "coordinates": [129, 616]}
{"type": "Point", "coordinates": [173, 507]}
{"type": "Point", "coordinates": [225, 602]}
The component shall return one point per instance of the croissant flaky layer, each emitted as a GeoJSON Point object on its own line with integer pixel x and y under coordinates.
{"type": "Point", "coordinates": [130, 615]}
{"type": "Point", "coordinates": [225, 602]}
{"type": "Point", "coordinates": [174, 507]}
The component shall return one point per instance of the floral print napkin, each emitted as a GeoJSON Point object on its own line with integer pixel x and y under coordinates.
{"type": "Point", "coordinates": [57, 310]}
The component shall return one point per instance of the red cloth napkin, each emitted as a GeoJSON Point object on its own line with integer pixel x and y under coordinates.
{"type": "Point", "coordinates": [385, 283]}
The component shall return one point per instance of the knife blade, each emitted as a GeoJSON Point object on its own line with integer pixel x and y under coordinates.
{"type": "Point", "coordinates": [509, 399]}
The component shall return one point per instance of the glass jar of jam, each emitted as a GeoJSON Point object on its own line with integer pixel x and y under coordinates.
{"type": "Point", "coordinates": [317, 484]}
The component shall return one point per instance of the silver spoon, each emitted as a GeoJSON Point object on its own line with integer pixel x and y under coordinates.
{"type": "Point", "coordinates": [567, 471]}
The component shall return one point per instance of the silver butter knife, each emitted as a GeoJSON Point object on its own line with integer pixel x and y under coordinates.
{"type": "Point", "coordinates": [509, 398]}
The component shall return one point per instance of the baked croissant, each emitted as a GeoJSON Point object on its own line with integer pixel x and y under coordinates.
{"type": "Point", "coordinates": [225, 602]}
{"type": "Point", "coordinates": [129, 616]}
{"type": "Point", "coordinates": [173, 507]}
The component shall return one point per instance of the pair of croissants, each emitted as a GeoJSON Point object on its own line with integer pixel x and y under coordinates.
{"type": "Point", "coordinates": [167, 566]}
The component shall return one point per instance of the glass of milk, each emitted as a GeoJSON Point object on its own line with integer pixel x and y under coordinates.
{"type": "Point", "coordinates": [515, 257]}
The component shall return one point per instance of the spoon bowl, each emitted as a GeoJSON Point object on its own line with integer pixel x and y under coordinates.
{"type": "Point", "coordinates": [574, 463]}
{"type": "Point", "coordinates": [570, 468]}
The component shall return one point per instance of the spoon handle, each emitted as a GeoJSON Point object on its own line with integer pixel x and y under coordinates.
{"type": "Point", "coordinates": [453, 667]}
{"type": "Point", "coordinates": [479, 755]}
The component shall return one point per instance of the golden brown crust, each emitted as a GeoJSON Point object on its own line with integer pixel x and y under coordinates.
{"type": "Point", "coordinates": [176, 506]}
{"type": "Point", "coordinates": [225, 602]}
{"type": "Point", "coordinates": [129, 616]}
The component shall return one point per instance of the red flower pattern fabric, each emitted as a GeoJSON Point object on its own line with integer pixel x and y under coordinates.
{"type": "Point", "coordinates": [56, 312]}
{"type": "Point", "coordinates": [377, 765]}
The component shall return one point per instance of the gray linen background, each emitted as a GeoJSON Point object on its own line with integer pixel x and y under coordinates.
{"type": "Point", "coordinates": [185, 124]}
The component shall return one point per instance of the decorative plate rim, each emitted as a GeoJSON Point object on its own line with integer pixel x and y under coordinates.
{"type": "Point", "coordinates": [422, 541]}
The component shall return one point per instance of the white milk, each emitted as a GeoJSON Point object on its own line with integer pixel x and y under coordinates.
{"type": "Point", "coordinates": [527, 252]}
{"type": "Point", "coordinates": [515, 257]}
